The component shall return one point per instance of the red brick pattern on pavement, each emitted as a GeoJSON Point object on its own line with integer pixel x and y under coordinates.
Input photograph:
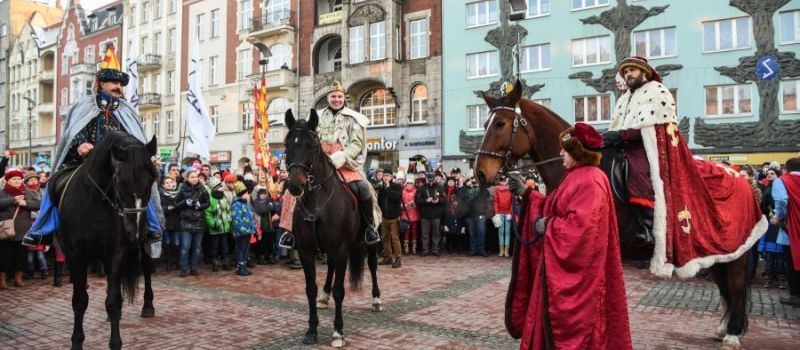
{"type": "Point", "coordinates": [431, 303]}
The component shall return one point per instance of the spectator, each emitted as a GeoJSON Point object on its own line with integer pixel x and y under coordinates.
{"type": "Point", "coordinates": [786, 194]}
{"type": "Point", "coordinates": [389, 199]}
{"type": "Point", "coordinates": [192, 203]}
{"type": "Point", "coordinates": [172, 232]}
{"type": "Point", "coordinates": [453, 224]}
{"type": "Point", "coordinates": [475, 202]}
{"type": "Point", "coordinates": [218, 221]}
{"type": "Point", "coordinates": [16, 204]}
{"type": "Point", "coordinates": [244, 226]}
{"type": "Point", "coordinates": [502, 215]}
{"type": "Point", "coordinates": [768, 246]}
{"type": "Point", "coordinates": [410, 214]}
{"type": "Point", "coordinates": [429, 200]}
{"type": "Point", "coordinates": [267, 209]}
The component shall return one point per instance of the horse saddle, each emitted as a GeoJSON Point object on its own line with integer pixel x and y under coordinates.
{"type": "Point", "coordinates": [58, 183]}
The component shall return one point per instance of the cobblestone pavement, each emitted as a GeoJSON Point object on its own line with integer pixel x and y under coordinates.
{"type": "Point", "coordinates": [430, 303]}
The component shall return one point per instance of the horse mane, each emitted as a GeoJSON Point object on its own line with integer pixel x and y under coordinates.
{"type": "Point", "coordinates": [99, 160]}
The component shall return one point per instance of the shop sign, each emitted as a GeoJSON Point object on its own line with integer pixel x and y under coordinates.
{"type": "Point", "coordinates": [165, 154]}
{"type": "Point", "coordinates": [219, 157]}
{"type": "Point", "coordinates": [419, 143]}
{"type": "Point", "coordinates": [381, 144]}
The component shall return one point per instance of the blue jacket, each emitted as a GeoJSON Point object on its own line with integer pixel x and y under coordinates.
{"type": "Point", "coordinates": [781, 198]}
{"type": "Point", "coordinates": [243, 221]}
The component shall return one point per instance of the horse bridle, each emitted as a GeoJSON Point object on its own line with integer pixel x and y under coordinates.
{"type": "Point", "coordinates": [310, 186]}
{"type": "Point", "coordinates": [121, 211]}
{"type": "Point", "coordinates": [519, 121]}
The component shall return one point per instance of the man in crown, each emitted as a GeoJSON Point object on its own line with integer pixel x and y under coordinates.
{"type": "Point", "coordinates": [89, 118]}
{"type": "Point", "coordinates": [342, 132]}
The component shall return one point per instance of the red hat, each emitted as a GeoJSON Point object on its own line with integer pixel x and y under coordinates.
{"type": "Point", "coordinates": [230, 178]}
{"type": "Point", "coordinates": [583, 143]}
{"type": "Point", "coordinates": [641, 63]}
{"type": "Point", "coordinates": [13, 173]}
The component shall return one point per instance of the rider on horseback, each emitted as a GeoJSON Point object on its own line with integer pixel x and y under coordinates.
{"type": "Point", "coordinates": [89, 119]}
{"type": "Point", "coordinates": [342, 132]}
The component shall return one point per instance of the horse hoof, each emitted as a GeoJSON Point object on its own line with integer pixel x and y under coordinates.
{"type": "Point", "coordinates": [377, 308]}
{"type": "Point", "coordinates": [338, 342]}
{"type": "Point", "coordinates": [310, 339]}
{"type": "Point", "coordinates": [322, 304]}
{"type": "Point", "coordinates": [719, 335]}
{"type": "Point", "coordinates": [148, 312]}
{"type": "Point", "coordinates": [731, 342]}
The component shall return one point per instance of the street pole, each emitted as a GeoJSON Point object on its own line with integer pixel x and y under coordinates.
{"type": "Point", "coordinates": [31, 104]}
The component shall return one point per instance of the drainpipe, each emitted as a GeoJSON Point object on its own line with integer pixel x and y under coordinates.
{"type": "Point", "coordinates": [297, 56]}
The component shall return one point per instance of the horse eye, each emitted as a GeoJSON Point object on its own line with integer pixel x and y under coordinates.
{"type": "Point", "coordinates": [500, 124]}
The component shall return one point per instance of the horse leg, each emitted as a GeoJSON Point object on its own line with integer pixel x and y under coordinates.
{"type": "Point", "coordinates": [80, 301]}
{"type": "Point", "coordinates": [148, 310]}
{"type": "Point", "coordinates": [309, 270]}
{"type": "Point", "coordinates": [372, 262]}
{"type": "Point", "coordinates": [338, 296]}
{"type": "Point", "coordinates": [322, 301]}
{"type": "Point", "coordinates": [114, 300]}
{"type": "Point", "coordinates": [739, 292]}
{"type": "Point", "coordinates": [720, 275]}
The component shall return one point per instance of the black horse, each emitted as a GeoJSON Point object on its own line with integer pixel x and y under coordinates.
{"type": "Point", "coordinates": [326, 218]}
{"type": "Point", "coordinates": [103, 218]}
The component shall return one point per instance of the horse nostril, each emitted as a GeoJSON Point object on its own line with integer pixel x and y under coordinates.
{"type": "Point", "coordinates": [481, 178]}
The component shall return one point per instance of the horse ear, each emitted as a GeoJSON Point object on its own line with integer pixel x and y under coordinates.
{"type": "Point", "coordinates": [152, 146]}
{"type": "Point", "coordinates": [119, 153]}
{"type": "Point", "coordinates": [516, 94]}
{"type": "Point", "coordinates": [489, 99]}
{"type": "Point", "coordinates": [289, 118]}
{"type": "Point", "coordinates": [313, 120]}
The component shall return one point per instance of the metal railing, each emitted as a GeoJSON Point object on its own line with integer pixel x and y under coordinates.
{"type": "Point", "coordinates": [83, 68]}
{"type": "Point", "coordinates": [272, 19]}
{"type": "Point", "coordinates": [150, 99]}
{"type": "Point", "coordinates": [149, 59]}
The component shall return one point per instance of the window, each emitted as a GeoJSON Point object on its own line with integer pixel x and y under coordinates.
{"type": "Point", "coordinates": [145, 124]}
{"type": "Point", "coordinates": [538, 8]}
{"type": "Point", "coordinates": [132, 18]}
{"type": "Point", "coordinates": [378, 105]}
{"type": "Point", "coordinates": [544, 102]}
{"type": "Point", "coordinates": [157, 82]}
{"type": "Point", "coordinates": [356, 44]}
{"type": "Point", "coordinates": [200, 19]}
{"type": "Point", "coordinates": [482, 13]}
{"type": "Point", "coordinates": [728, 100]}
{"type": "Point", "coordinates": [276, 110]}
{"type": "Point", "coordinates": [245, 63]}
{"type": "Point", "coordinates": [281, 56]}
{"type": "Point", "coordinates": [157, 9]}
{"type": "Point", "coordinates": [247, 116]}
{"type": "Point", "coordinates": [790, 88]}
{"type": "Point", "coordinates": [157, 124]}
{"type": "Point", "coordinates": [212, 74]}
{"type": "Point", "coordinates": [173, 40]}
{"type": "Point", "coordinates": [729, 34]}
{"type": "Point", "coordinates": [171, 82]}
{"type": "Point", "coordinates": [587, 4]}
{"type": "Point", "coordinates": [276, 11]}
{"type": "Point", "coordinates": [587, 51]}
{"type": "Point", "coordinates": [88, 54]}
{"type": "Point", "coordinates": [478, 115]}
{"type": "Point", "coordinates": [535, 58]}
{"type": "Point", "coordinates": [656, 43]}
{"type": "Point", "coordinates": [145, 46]}
{"type": "Point", "coordinates": [215, 23]}
{"type": "Point", "coordinates": [377, 41]}
{"type": "Point", "coordinates": [482, 64]}
{"type": "Point", "coordinates": [589, 109]}
{"type": "Point", "coordinates": [790, 27]}
{"type": "Point", "coordinates": [337, 5]}
{"type": "Point", "coordinates": [170, 123]}
{"type": "Point", "coordinates": [64, 96]}
{"type": "Point", "coordinates": [173, 6]}
{"type": "Point", "coordinates": [337, 60]}
{"type": "Point", "coordinates": [214, 111]}
{"type": "Point", "coordinates": [3, 30]}
{"type": "Point", "coordinates": [145, 12]}
{"type": "Point", "coordinates": [245, 14]}
{"type": "Point", "coordinates": [419, 39]}
{"type": "Point", "coordinates": [157, 42]}
{"type": "Point", "coordinates": [419, 103]}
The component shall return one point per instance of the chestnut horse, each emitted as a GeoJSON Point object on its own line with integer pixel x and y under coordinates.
{"type": "Point", "coordinates": [517, 127]}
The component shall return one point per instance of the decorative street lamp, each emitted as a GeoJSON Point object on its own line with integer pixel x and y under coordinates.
{"type": "Point", "coordinates": [31, 104]}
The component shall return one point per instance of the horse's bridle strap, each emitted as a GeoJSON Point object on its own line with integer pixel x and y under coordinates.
{"type": "Point", "coordinates": [519, 121]}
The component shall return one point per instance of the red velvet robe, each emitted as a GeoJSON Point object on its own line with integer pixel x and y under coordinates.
{"type": "Point", "coordinates": [578, 263]}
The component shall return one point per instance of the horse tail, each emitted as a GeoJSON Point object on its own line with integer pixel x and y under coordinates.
{"type": "Point", "coordinates": [356, 268]}
{"type": "Point", "coordinates": [129, 272]}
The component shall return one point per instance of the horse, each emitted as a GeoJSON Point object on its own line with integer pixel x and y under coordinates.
{"type": "Point", "coordinates": [518, 127]}
{"type": "Point", "coordinates": [113, 187]}
{"type": "Point", "coordinates": [326, 218]}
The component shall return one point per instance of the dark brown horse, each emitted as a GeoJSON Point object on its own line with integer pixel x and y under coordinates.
{"type": "Point", "coordinates": [519, 127]}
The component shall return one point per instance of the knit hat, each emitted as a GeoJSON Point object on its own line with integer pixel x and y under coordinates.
{"type": "Point", "coordinates": [239, 188]}
{"type": "Point", "coordinates": [231, 178]}
{"type": "Point", "coordinates": [409, 180]}
{"type": "Point", "coordinates": [29, 176]}
{"type": "Point", "coordinates": [641, 63]}
{"type": "Point", "coordinates": [13, 173]}
{"type": "Point", "coordinates": [583, 143]}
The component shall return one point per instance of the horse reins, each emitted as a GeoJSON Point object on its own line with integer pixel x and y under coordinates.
{"type": "Point", "coordinates": [310, 184]}
{"type": "Point", "coordinates": [120, 211]}
{"type": "Point", "coordinates": [519, 121]}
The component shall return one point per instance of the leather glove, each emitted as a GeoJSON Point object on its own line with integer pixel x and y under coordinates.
{"type": "Point", "coordinates": [540, 225]}
{"type": "Point", "coordinates": [612, 138]}
{"type": "Point", "coordinates": [516, 183]}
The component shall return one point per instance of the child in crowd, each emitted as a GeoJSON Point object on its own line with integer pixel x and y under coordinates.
{"type": "Point", "coordinates": [243, 226]}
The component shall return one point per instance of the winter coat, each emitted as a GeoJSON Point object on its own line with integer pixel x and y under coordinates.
{"type": "Point", "coordinates": [474, 202]}
{"type": "Point", "coordinates": [265, 208]}
{"type": "Point", "coordinates": [192, 203]}
{"type": "Point", "coordinates": [218, 213]}
{"type": "Point", "coordinates": [389, 200]}
{"type": "Point", "coordinates": [169, 201]}
{"type": "Point", "coordinates": [430, 210]}
{"type": "Point", "coordinates": [410, 211]}
{"type": "Point", "coordinates": [23, 221]}
{"type": "Point", "coordinates": [502, 200]}
{"type": "Point", "coordinates": [243, 221]}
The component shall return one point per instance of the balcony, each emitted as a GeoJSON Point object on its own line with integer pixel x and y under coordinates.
{"type": "Point", "coordinates": [277, 80]}
{"type": "Point", "coordinates": [329, 18]}
{"type": "Point", "coordinates": [148, 61]}
{"type": "Point", "coordinates": [46, 107]}
{"type": "Point", "coordinates": [83, 68]}
{"type": "Point", "coordinates": [46, 76]}
{"type": "Point", "coordinates": [44, 141]}
{"type": "Point", "coordinates": [273, 23]}
{"type": "Point", "coordinates": [150, 100]}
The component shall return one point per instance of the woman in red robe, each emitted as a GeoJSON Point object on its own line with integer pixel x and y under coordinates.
{"type": "Point", "coordinates": [568, 290]}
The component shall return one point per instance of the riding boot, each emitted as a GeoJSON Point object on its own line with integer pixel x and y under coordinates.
{"type": "Point", "coordinates": [646, 215]}
{"type": "Point", "coordinates": [18, 281]}
{"type": "Point", "coordinates": [3, 281]}
{"type": "Point", "coordinates": [57, 270]}
{"type": "Point", "coordinates": [365, 211]}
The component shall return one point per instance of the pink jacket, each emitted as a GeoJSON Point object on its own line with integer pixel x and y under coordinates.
{"type": "Point", "coordinates": [410, 212]}
{"type": "Point", "coordinates": [502, 200]}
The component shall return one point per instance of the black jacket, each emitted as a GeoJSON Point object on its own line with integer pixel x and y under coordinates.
{"type": "Point", "coordinates": [389, 200]}
{"type": "Point", "coordinates": [169, 201]}
{"type": "Point", "coordinates": [192, 203]}
{"type": "Point", "coordinates": [430, 210]}
{"type": "Point", "coordinates": [265, 208]}
{"type": "Point", "coordinates": [474, 202]}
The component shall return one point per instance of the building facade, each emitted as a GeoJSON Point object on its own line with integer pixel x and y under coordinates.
{"type": "Point", "coordinates": [569, 51]}
{"type": "Point", "coordinates": [387, 54]}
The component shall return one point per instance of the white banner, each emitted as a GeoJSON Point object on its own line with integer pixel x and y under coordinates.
{"type": "Point", "coordinates": [131, 67]}
{"type": "Point", "coordinates": [200, 130]}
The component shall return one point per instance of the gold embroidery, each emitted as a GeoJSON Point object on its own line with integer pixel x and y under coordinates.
{"type": "Point", "coordinates": [685, 214]}
{"type": "Point", "coordinates": [671, 129]}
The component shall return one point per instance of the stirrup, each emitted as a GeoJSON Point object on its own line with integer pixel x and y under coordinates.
{"type": "Point", "coordinates": [286, 240]}
{"type": "Point", "coordinates": [30, 240]}
{"type": "Point", "coordinates": [375, 236]}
